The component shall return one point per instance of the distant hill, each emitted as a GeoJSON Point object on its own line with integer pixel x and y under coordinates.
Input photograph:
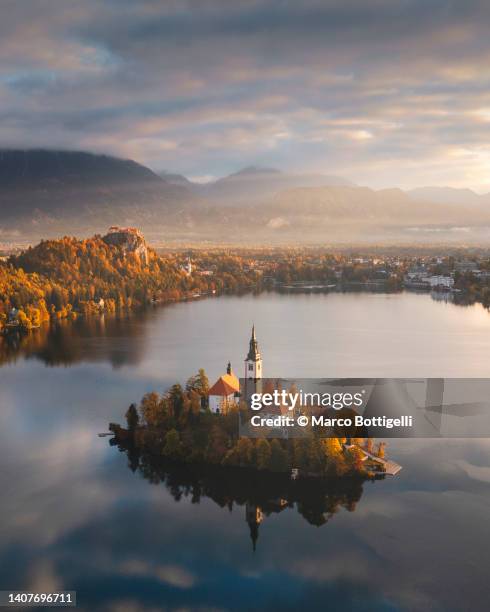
{"type": "Point", "coordinates": [349, 215]}
{"type": "Point", "coordinates": [51, 192]}
{"type": "Point", "coordinates": [178, 179]}
{"type": "Point", "coordinates": [61, 169]}
{"type": "Point", "coordinates": [64, 277]}
{"type": "Point", "coordinates": [253, 184]}
{"type": "Point", "coordinates": [58, 278]}
{"type": "Point", "coordinates": [362, 205]}
{"type": "Point", "coordinates": [448, 195]}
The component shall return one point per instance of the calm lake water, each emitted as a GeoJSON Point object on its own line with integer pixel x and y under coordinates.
{"type": "Point", "coordinates": [77, 514]}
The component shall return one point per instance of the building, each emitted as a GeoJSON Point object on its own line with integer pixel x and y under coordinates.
{"type": "Point", "coordinates": [466, 266]}
{"type": "Point", "coordinates": [13, 316]}
{"type": "Point", "coordinates": [417, 277]}
{"type": "Point", "coordinates": [115, 229]}
{"type": "Point", "coordinates": [224, 393]}
{"type": "Point", "coordinates": [253, 361]}
{"type": "Point", "coordinates": [187, 267]}
{"type": "Point", "coordinates": [441, 282]}
{"type": "Point", "coordinates": [417, 273]}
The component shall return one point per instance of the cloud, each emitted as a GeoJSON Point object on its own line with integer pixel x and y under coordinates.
{"type": "Point", "coordinates": [172, 575]}
{"type": "Point", "coordinates": [384, 91]}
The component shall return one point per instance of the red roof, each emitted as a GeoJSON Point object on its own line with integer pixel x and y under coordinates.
{"type": "Point", "coordinates": [221, 388]}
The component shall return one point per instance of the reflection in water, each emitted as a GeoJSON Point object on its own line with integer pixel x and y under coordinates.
{"type": "Point", "coordinates": [443, 296]}
{"type": "Point", "coordinates": [260, 494]}
{"type": "Point", "coordinates": [336, 335]}
{"type": "Point", "coordinates": [73, 516]}
{"type": "Point", "coordinates": [101, 339]}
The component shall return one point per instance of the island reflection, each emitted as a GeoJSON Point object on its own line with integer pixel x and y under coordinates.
{"type": "Point", "coordinates": [259, 495]}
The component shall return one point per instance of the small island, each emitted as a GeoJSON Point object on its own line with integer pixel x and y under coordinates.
{"type": "Point", "coordinates": [181, 427]}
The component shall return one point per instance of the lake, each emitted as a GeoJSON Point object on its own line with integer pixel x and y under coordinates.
{"type": "Point", "coordinates": [78, 514]}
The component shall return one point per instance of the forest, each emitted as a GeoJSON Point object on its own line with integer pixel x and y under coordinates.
{"type": "Point", "coordinates": [69, 277]}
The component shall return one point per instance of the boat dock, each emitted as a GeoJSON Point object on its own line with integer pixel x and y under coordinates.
{"type": "Point", "coordinates": [391, 468]}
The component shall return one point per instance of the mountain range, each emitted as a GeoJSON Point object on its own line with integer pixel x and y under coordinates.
{"type": "Point", "coordinates": [253, 184]}
{"type": "Point", "coordinates": [449, 195]}
{"type": "Point", "coordinates": [47, 193]}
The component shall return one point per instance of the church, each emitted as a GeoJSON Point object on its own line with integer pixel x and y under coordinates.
{"type": "Point", "coordinates": [225, 392]}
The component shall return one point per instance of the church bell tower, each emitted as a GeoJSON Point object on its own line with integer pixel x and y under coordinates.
{"type": "Point", "coordinates": [253, 362]}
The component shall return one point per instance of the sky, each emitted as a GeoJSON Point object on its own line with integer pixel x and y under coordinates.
{"type": "Point", "coordinates": [383, 92]}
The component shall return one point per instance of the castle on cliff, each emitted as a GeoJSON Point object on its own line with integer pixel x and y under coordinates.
{"type": "Point", "coordinates": [130, 239]}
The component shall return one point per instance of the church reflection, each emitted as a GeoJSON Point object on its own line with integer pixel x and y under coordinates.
{"type": "Point", "coordinates": [258, 495]}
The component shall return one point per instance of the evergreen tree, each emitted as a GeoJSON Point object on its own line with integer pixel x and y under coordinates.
{"type": "Point", "coordinates": [176, 398]}
{"type": "Point", "coordinates": [132, 417]}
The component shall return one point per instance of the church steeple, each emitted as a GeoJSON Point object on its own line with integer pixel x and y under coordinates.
{"type": "Point", "coordinates": [254, 534]}
{"type": "Point", "coordinates": [253, 361]}
{"type": "Point", "coordinates": [253, 516]}
{"type": "Point", "coordinates": [253, 351]}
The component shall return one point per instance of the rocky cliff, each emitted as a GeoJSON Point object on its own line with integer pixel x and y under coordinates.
{"type": "Point", "coordinates": [130, 239]}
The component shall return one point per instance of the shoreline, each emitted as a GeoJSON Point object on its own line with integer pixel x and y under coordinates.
{"type": "Point", "coordinates": [9, 330]}
{"type": "Point", "coordinates": [124, 439]}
